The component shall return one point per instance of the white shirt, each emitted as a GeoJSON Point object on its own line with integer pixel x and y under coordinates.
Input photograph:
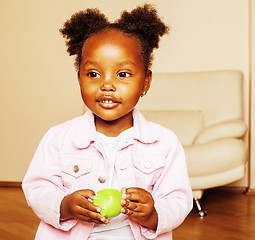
{"type": "Point", "coordinates": [118, 227]}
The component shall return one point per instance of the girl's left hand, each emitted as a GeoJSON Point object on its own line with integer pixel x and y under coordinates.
{"type": "Point", "coordinates": [139, 205]}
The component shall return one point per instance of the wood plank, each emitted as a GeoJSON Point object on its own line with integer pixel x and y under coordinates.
{"type": "Point", "coordinates": [17, 220]}
{"type": "Point", "coordinates": [10, 184]}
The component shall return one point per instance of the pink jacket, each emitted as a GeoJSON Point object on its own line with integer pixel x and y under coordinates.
{"type": "Point", "coordinates": [70, 157]}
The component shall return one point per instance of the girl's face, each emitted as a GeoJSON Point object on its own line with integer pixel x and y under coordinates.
{"type": "Point", "coordinates": [112, 76]}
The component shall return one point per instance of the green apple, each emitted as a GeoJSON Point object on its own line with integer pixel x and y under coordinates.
{"type": "Point", "coordinates": [109, 202]}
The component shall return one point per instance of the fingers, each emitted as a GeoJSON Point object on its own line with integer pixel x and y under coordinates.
{"type": "Point", "coordinates": [88, 194]}
{"type": "Point", "coordinates": [90, 212]}
{"type": "Point", "coordinates": [139, 205]}
{"type": "Point", "coordinates": [91, 216]}
{"type": "Point", "coordinates": [137, 194]}
{"type": "Point", "coordinates": [135, 206]}
{"type": "Point", "coordinates": [131, 208]}
{"type": "Point", "coordinates": [136, 201]}
{"type": "Point", "coordinates": [79, 205]}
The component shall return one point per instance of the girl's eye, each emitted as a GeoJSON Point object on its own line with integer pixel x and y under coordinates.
{"type": "Point", "coordinates": [93, 74]}
{"type": "Point", "coordinates": [124, 74]}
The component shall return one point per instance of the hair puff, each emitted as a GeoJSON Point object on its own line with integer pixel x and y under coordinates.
{"type": "Point", "coordinates": [79, 27]}
{"type": "Point", "coordinates": [144, 23]}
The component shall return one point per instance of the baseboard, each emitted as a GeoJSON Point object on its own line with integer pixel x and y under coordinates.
{"type": "Point", "coordinates": [250, 191]}
{"type": "Point", "coordinates": [10, 184]}
{"type": "Point", "coordinates": [229, 189]}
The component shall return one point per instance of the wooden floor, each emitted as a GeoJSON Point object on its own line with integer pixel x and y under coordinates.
{"type": "Point", "coordinates": [231, 216]}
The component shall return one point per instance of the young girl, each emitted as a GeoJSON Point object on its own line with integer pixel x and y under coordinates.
{"type": "Point", "coordinates": [112, 145]}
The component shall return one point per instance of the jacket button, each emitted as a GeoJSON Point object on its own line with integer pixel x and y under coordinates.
{"type": "Point", "coordinates": [147, 164]}
{"type": "Point", "coordinates": [102, 179]}
{"type": "Point", "coordinates": [76, 168]}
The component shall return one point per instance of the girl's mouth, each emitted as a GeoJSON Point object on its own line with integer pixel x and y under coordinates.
{"type": "Point", "coordinates": [108, 103]}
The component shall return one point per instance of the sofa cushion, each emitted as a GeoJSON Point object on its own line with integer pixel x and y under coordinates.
{"type": "Point", "coordinates": [233, 128]}
{"type": "Point", "coordinates": [215, 156]}
{"type": "Point", "coordinates": [185, 124]}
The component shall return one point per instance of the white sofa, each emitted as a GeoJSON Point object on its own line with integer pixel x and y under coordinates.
{"type": "Point", "coordinates": [205, 110]}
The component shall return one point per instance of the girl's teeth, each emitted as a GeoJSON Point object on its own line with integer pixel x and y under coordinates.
{"type": "Point", "coordinates": [107, 101]}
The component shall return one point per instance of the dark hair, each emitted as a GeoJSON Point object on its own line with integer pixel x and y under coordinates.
{"type": "Point", "coordinates": [142, 23]}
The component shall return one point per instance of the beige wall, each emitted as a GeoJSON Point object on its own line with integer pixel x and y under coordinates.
{"type": "Point", "coordinates": [38, 82]}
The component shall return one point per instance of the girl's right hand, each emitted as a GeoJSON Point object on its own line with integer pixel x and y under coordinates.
{"type": "Point", "coordinates": [79, 205]}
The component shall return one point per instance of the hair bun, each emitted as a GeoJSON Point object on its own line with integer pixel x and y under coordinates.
{"type": "Point", "coordinates": [80, 26]}
{"type": "Point", "coordinates": [144, 21]}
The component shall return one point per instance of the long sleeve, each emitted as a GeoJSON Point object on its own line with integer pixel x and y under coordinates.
{"type": "Point", "coordinates": [43, 186]}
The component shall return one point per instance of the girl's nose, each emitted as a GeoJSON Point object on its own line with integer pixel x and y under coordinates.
{"type": "Point", "coordinates": [108, 85]}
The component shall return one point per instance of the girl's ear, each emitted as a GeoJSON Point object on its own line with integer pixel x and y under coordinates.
{"type": "Point", "coordinates": [147, 83]}
{"type": "Point", "coordinates": [78, 76]}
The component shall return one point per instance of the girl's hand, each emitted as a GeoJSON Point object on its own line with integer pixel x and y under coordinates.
{"type": "Point", "coordinates": [139, 205]}
{"type": "Point", "coordinates": [79, 205]}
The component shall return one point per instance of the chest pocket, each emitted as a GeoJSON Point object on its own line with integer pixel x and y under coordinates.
{"type": "Point", "coordinates": [74, 168]}
{"type": "Point", "coordinates": [148, 163]}
{"type": "Point", "coordinates": [148, 169]}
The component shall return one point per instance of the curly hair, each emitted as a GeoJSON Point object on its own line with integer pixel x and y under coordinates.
{"type": "Point", "coordinates": [143, 23]}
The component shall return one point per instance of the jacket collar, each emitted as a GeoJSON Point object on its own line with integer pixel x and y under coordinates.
{"type": "Point", "coordinates": [85, 133]}
{"type": "Point", "coordinates": [143, 131]}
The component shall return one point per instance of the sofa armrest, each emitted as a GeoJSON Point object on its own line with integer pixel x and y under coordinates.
{"type": "Point", "coordinates": [229, 129]}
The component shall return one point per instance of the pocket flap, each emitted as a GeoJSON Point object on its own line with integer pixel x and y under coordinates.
{"type": "Point", "coordinates": [148, 163]}
{"type": "Point", "coordinates": [76, 166]}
